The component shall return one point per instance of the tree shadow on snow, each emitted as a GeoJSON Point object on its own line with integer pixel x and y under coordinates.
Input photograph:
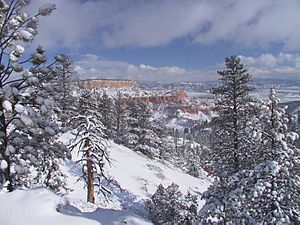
{"type": "Point", "coordinates": [104, 216]}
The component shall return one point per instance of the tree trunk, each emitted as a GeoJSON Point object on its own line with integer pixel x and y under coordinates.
{"type": "Point", "coordinates": [90, 184]}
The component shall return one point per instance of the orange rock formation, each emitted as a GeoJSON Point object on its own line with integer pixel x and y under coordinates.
{"type": "Point", "coordinates": [103, 83]}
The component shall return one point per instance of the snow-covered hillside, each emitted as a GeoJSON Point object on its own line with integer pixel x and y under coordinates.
{"type": "Point", "coordinates": [137, 176]}
{"type": "Point", "coordinates": [41, 206]}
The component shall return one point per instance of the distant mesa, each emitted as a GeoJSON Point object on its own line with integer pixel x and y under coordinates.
{"type": "Point", "coordinates": [172, 96]}
{"type": "Point", "coordinates": [108, 83]}
{"type": "Point", "coordinates": [178, 97]}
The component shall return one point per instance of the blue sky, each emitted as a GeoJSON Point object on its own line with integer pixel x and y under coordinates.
{"type": "Point", "coordinates": [184, 40]}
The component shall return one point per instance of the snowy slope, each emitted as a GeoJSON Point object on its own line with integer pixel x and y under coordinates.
{"type": "Point", "coordinates": [39, 206]}
{"type": "Point", "coordinates": [137, 175]}
{"type": "Point", "coordinates": [141, 175]}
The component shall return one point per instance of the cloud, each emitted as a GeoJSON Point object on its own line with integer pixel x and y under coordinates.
{"type": "Point", "coordinates": [174, 70]}
{"type": "Point", "coordinates": [145, 23]}
{"type": "Point", "coordinates": [283, 65]}
{"type": "Point", "coordinates": [92, 66]}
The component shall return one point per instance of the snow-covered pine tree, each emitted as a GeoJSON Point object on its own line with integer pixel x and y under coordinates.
{"type": "Point", "coordinates": [106, 109]}
{"type": "Point", "coordinates": [90, 142]}
{"type": "Point", "coordinates": [148, 141]}
{"type": "Point", "coordinates": [176, 136]}
{"type": "Point", "coordinates": [170, 206]}
{"type": "Point", "coordinates": [64, 85]}
{"type": "Point", "coordinates": [192, 159]}
{"type": "Point", "coordinates": [120, 118]}
{"type": "Point", "coordinates": [190, 206]}
{"type": "Point", "coordinates": [231, 149]}
{"type": "Point", "coordinates": [132, 122]}
{"type": "Point", "coordinates": [141, 136]}
{"type": "Point", "coordinates": [163, 140]}
{"type": "Point", "coordinates": [27, 132]}
{"type": "Point", "coordinates": [157, 206]}
{"type": "Point", "coordinates": [270, 193]}
{"type": "Point", "coordinates": [235, 108]}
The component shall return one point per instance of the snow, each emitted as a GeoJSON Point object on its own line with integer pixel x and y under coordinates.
{"type": "Point", "coordinates": [141, 176]}
{"type": "Point", "coordinates": [10, 150]}
{"type": "Point", "coordinates": [46, 9]}
{"type": "Point", "coordinates": [3, 164]}
{"type": "Point", "coordinates": [137, 175]}
{"type": "Point", "coordinates": [37, 206]}
{"type": "Point", "coordinates": [26, 120]}
{"type": "Point", "coordinates": [26, 35]}
{"type": "Point", "coordinates": [7, 106]}
{"type": "Point", "coordinates": [12, 56]}
{"type": "Point", "coordinates": [19, 49]}
{"type": "Point", "coordinates": [13, 22]}
{"type": "Point", "coordinates": [41, 206]}
{"type": "Point", "coordinates": [19, 108]}
{"type": "Point", "coordinates": [16, 66]}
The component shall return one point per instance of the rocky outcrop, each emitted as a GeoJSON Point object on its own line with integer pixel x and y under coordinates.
{"type": "Point", "coordinates": [173, 96]}
{"type": "Point", "coordinates": [103, 83]}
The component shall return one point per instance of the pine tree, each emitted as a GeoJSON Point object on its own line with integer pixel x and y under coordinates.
{"type": "Point", "coordinates": [140, 134]}
{"type": "Point", "coordinates": [90, 142]}
{"type": "Point", "coordinates": [235, 108]}
{"type": "Point", "coordinates": [190, 206]}
{"type": "Point", "coordinates": [148, 141]}
{"type": "Point", "coordinates": [231, 149]}
{"type": "Point", "coordinates": [176, 136]}
{"type": "Point", "coordinates": [64, 87]}
{"type": "Point", "coordinates": [106, 109]}
{"type": "Point", "coordinates": [120, 114]}
{"type": "Point", "coordinates": [270, 188]}
{"type": "Point", "coordinates": [26, 129]}
{"type": "Point", "coordinates": [132, 121]}
{"type": "Point", "coordinates": [170, 206]}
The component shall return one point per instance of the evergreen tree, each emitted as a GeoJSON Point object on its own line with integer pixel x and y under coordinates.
{"type": "Point", "coordinates": [64, 87]}
{"type": "Point", "coordinates": [141, 136]}
{"type": "Point", "coordinates": [132, 133]}
{"type": "Point", "coordinates": [190, 206]}
{"type": "Point", "coordinates": [235, 109]}
{"type": "Point", "coordinates": [90, 142]}
{"type": "Point", "coordinates": [169, 206]}
{"type": "Point", "coordinates": [176, 136]}
{"type": "Point", "coordinates": [106, 109]}
{"type": "Point", "coordinates": [270, 190]}
{"type": "Point", "coordinates": [27, 131]}
{"type": "Point", "coordinates": [120, 114]}
{"type": "Point", "coordinates": [231, 149]}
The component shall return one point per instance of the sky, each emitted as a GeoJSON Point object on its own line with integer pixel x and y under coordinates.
{"type": "Point", "coordinates": [173, 40]}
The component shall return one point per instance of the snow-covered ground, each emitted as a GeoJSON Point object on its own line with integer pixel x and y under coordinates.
{"type": "Point", "coordinates": [41, 206]}
{"type": "Point", "coordinates": [284, 94]}
{"type": "Point", "coordinates": [137, 176]}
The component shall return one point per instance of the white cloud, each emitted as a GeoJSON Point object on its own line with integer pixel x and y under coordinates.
{"type": "Point", "coordinates": [91, 66]}
{"type": "Point", "coordinates": [283, 65]}
{"type": "Point", "coordinates": [148, 23]}
{"type": "Point", "coordinates": [173, 70]}
{"type": "Point", "coordinates": [268, 65]}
